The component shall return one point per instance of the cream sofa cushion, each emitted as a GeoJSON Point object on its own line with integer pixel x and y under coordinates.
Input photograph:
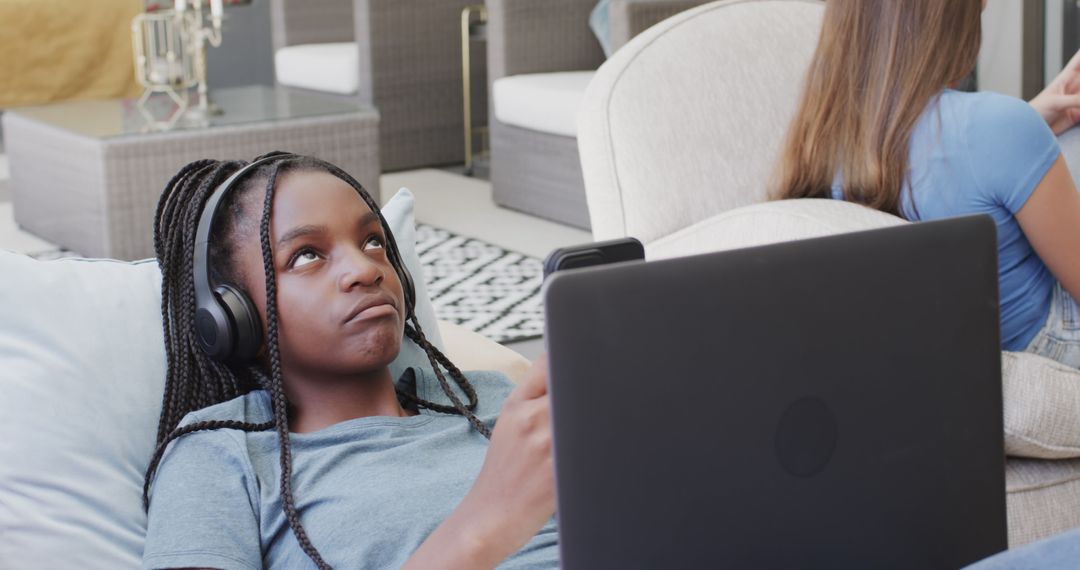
{"type": "Point", "coordinates": [471, 351]}
{"type": "Point", "coordinates": [1041, 498]}
{"type": "Point", "coordinates": [769, 222]}
{"type": "Point", "coordinates": [1042, 407]}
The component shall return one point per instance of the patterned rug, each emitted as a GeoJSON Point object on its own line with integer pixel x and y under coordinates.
{"type": "Point", "coordinates": [481, 286]}
{"type": "Point", "coordinates": [475, 284]}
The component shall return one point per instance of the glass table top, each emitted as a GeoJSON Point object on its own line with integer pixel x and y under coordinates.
{"type": "Point", "coordinates": [239, 105]}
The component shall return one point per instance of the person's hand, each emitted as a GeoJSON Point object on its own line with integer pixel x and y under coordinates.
{"type": "Point", "coordinates": [515, 491]}
{"type": "Point", "coordinates": [1059, 103]}
{"type": "Point", "coordinates": [514, 494]}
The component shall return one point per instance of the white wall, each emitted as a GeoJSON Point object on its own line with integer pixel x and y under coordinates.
{"type": "Point", "coordinates": [1054, 39]}
{"type": "Point", "coordinates": [1002, 48]}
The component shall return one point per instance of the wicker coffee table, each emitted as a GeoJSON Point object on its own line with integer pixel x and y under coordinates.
{"type": "Point", "coordinates": [87, 175]}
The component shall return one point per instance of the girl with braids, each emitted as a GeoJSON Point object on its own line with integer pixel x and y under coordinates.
{"type": "Point", "coordinates": [308, 453]}
{"type": "Point", "coordinates": [879, 124]}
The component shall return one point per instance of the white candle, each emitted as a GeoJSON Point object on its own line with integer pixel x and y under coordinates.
{"type": "Point", "coordinates": [215, 8]}
{"type": "Point", "coordinates": [181, 5]}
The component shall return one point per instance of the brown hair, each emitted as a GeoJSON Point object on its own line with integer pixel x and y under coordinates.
{"type": "Point", "coordinates": [878, 64]}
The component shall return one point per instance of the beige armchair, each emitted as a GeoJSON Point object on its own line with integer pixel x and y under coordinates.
{"type": "Point", "coordinates": [678, 134]}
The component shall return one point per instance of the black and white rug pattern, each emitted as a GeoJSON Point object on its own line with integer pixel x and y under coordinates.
{"type": "Point", "coordinates": [481, 286]}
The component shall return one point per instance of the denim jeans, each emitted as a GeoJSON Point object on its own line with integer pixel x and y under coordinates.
{"type": "Point", "coordinates": [1059, 338]}
{"type": "Point", "coordinates": [1061, 551]}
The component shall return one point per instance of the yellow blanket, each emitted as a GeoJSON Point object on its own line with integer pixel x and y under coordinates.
{"type": "Point", "coordinates": [52, 50]}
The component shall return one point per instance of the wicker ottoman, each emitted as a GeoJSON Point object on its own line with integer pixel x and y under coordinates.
{"type": "Point", "coordinates": [87, 175]}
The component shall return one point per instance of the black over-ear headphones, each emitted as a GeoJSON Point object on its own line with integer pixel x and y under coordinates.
{"type": "Point", "coordinates": [227, 326]}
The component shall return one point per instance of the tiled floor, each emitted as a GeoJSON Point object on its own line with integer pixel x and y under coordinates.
{"type": "Point", "coordinates": [463, 205]}
{"type": "Point", "coordinates": [444, 199]}
{"type": "Point", "coordinates": [14, 239]}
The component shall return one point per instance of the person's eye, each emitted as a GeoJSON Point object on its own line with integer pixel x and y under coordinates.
{"type": "Point", "coordinates": [374, 242]}
{"type": "Point", "coordinates": [303, 257]}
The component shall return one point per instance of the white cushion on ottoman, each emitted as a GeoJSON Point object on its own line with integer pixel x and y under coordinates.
{"type": "Point", "coordinates": [331, 67]}
{"type": "Point", "coordinates": [545, 102]}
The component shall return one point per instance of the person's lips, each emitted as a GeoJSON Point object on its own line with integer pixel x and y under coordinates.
{"type": "Point", "coordinates": [370, 307]}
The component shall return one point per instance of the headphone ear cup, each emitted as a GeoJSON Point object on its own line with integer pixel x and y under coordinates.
{"type": "Point", "coordinates": [245, 322]}
{"type": "Point", "coordinates": [213, 329]}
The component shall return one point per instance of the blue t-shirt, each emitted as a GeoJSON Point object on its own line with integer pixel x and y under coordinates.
{"type": "Point", "coordinates": [368, 490]}
{"type": "Point", "coordinates": [985, 153]}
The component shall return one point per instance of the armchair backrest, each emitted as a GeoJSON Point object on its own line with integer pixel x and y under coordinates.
{"type": "Point", "coordinates": [532, 36]}
{"type": "Point", "coordinates": [686, 120]}
{"type": "Point", "coordinates": [631, 17]}
{"type": "Point", "coordinates": [295, 22]}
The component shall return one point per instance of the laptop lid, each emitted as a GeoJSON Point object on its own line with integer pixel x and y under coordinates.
{"type": "Point", "coordinates": [826, 403]}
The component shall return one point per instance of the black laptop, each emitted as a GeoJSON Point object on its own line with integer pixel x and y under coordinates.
{"type": "Point", "coordinates": [826, 403]}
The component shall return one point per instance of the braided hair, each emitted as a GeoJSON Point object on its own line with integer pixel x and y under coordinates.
{"type": "Point", "coordinates": [194, 380]}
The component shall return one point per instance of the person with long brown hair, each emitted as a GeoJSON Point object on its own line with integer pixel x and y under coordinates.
{"type": "Point", "coordinates": [879, 124]}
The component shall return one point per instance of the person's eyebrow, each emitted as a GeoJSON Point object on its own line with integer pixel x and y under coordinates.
{"type": "Point", "coordinates": [368, 218]}
{"type": "Point", "coordinates": [300, 231]}
{"type": "Point", "coordinates": [309, 229]}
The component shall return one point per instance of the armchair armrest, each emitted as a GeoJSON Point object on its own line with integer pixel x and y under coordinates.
{"type": "Point", "coordinates": [529, 36]}
{"type": "Point", "coordinates": [294, 22]}
{"type": "Point", "coordinates": [471, 351]}
{"type": "Point", "coordinates": [631, 17]}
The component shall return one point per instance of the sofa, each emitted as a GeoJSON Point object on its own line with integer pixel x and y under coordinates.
{"type": "Point", "coordinates": [82, 373]}
{"type": "Point", "coordinates": [692, 178]}
{"type": "Point", "coordinates": [401, 56]}
{"type": "Point", "coordinates": [541, 56]}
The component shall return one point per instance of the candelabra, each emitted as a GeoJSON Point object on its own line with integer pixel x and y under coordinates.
{"type": "Point", "coordinates": [198, 35]}
{"type": "Point", "coordinates": [170, 58]}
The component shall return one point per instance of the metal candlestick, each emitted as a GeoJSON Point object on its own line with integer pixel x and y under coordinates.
{"type": "Point", "coordinates": [198, 36]}
{"type": "Point", "coordinates": [170, 58]}
{"type": "Point", "coordinates": [162, 65]}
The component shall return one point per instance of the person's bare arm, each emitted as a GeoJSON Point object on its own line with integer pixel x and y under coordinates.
{"type": "Point", "coordinates": [1051, 221]}
{"type": "Point", "coordinates": [512, 497]}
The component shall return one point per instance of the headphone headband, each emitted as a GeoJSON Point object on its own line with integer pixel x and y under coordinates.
{"type": "Point", "coordinates": [206, 222]}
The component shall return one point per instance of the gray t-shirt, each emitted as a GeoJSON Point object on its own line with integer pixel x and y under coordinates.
{"type": "Point", "coordinates": [368, 490]}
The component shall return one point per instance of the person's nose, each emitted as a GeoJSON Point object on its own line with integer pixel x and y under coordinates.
{"type": "Point", "coordinates": [357, 269]}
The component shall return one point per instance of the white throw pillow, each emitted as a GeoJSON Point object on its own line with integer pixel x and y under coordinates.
{"type": "Point", "coordinates": [332, 67]}
{"type": "Point", "coordinates": [82, 368]}
{"type": "Point", "coordinates": [1042, 397]}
